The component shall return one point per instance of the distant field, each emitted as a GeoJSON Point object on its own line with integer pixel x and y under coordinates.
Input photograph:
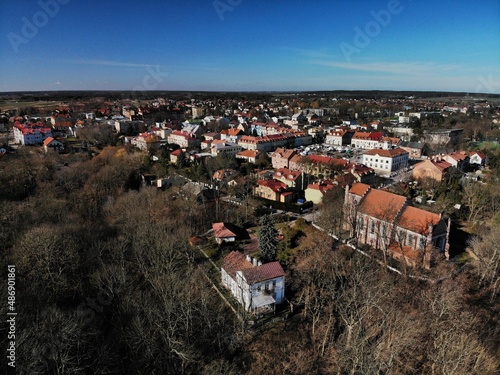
{"type": "Point", "coordinates": [11, 104]}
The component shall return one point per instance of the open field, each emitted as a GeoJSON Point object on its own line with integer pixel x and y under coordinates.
{"type": "Point", "coordinates": [7, 105]}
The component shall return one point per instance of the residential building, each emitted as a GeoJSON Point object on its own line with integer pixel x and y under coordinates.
{"type": "Point", "coordinates": [250, 156]}
{"type": "Point", "coordinates": [146, 141]}
{"type": "Point", "coordinates": [31, 134]}
{"type": "Point", "coordinates": [52, 144]}
{"type": "Point", "coordinates": [415, 149]}
{"type": "Point", "coordinates": [459, 160]}
{"type": "Point", "coordinates": [267, 143]}
{"type": "Point", "coordinates": [222, 233]}
{"type": "Point", "coordinates": [386, 161]}
{"type": "Point", "coordinates": [281, 157]}
{"type": "Point", "coordinates": [339, 137]}
{"type": "Point", "coordinates": [435, 169]}
{"type": "Point", "coordinates": [197, 112]}
{"type": "Point", "coordinates": [232, 135]}
{"type": "Point", "coordinates": [386, 222]}
{"type": "Point", "coordinates": [176, 155]}
{"type": "Point", "coordinates": [316, 191]}
{"type": "Point", "coordinates": [221, 147]}
{"type": "Point", "coordinates": [292, 179]}
{"type": "Point", "coordinates": [367, 141]}
{"type": "Point", "coordinates": [194, 130]}
{"type": "Point", "coordinates": [477, 158]}
{"type": "Point", "coordinates": [258, 287]}
{"type": "Point", "coordinates": [318, 165]}
{"type": "Point", "coordinates": [183, 139]}
{"type": "Point", "coordinates": [273, 190]}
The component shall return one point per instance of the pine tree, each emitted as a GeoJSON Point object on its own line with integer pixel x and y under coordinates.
{"type": "Point", "coordinates": [268, 239]}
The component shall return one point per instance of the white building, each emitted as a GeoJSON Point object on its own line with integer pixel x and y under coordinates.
{"type": "Point", "coordinates": [386, 161]}
{"type": "Point", "coordinates": [183, 139]}
{"type": "Point", "coordinates": [31, 135]}
{"type": "Point", "coordinates": [222, 147]}
{"type": "Point", "coordinates": [258, 287]}
{"type": "Point", "coordinates": [365, 140]}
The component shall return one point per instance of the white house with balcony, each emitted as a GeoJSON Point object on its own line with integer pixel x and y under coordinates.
{"type": "Point", "coordinates": [258, 287]}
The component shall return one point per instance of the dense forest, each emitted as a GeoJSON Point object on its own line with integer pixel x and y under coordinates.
{"type": "Point", "coordinates": [106, 283]}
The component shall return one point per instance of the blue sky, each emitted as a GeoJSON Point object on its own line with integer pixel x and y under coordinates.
{"type": "Point", "coordinates": [250, 45]}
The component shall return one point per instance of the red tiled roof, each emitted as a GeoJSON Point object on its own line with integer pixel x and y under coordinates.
{"type": "Point", "coordinates": [323, 187]}
{"type": "Point", "coordinates": [440, 164]}
{"type": "Point", "coordinates": [220, 231]}
{"type": "Point", "coordinates": [264, 272]}
{"type": "Point", "coordinates": [375, 136]}
{"type": "Point", "coordinates": [458, 156]}
{"type": "Point", "coordinates": [417, 220]}
{"type": "Point", "coordinates": [387, 153]}
{"type": "Point", "coordinates": [382, 205]}
{"type": "Point", "coordinates": [274, 185]}
{"type": "Point", "coordinates": [479, 153]}
{"type": "Point", "coordinates": [248, 153]}
{"type": "Point", "coordinates": [284, 153]}
{"type": "Point", "coordinates": [235, 261]}
{"type": "Point", "coordinates": [359, 189]}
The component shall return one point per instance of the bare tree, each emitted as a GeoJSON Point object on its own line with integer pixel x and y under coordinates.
{"type": "Point", "coordinates": [487, 266]}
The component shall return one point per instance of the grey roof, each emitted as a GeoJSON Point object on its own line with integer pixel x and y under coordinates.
{"type": "Point", "coordinates": [412, 144]}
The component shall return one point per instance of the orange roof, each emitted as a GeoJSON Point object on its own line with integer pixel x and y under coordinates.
{"type": "Point", "coordinates": [220, 231]}
{"type": "Point", "coordinates": [235, 261]}
{"type": "Point", "coordinates": [323, 187]}
{"type": "Point", "coordinates": [479, 153]}
{"type": "Point", "coordinates": [264, 272]}
{"type": "Point", "coordinates": [417, 220]}
{"type": "Point", "coordinates": [47, 141]}
{"type": "Point", "coordinates": [249, 153]}
{"type": "Point", "coordinates": [359, 189]}
{"type": "Point", "coordinates": [274, 185]}
{"type": "Point", "coordinates": [439, 164]}
{"type": "Point", "coordinates": [387, 153]}
{"type": "Point", "coordinates": [382, 205]}
{"type": "Point", "coordinates": [284, 153]}
{"type": "Point", "coordinates": [458, 156]}
{"type": "Point", "coordinates": [235, 131]}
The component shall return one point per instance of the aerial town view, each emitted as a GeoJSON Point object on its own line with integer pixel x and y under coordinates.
{"type": "Point", "coordinates": [247, 187]}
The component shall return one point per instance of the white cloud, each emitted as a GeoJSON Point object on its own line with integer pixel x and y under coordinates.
{"type": "Point", "coordinates": [111, 63]}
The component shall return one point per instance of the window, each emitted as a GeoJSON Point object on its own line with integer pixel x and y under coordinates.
{"type": "Point", "coordinates": [372, 227]}
{"type": "Point", "coordinates": [422, 242]}
{"type": "Point", "coordinates": [410, 240]}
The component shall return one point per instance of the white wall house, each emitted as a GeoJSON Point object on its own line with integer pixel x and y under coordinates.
{"type": "Point", "coordinates": [258, 287]}
{"type": "Point", "coordinates": [222, 147]}
{"type": "Point", "coordinates": [30, 135]}
{"type": "Point", "coordinates": [386, 161]}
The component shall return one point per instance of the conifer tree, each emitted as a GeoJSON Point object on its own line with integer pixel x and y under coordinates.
{"type": "Point", "coordinates": [268, 239]}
